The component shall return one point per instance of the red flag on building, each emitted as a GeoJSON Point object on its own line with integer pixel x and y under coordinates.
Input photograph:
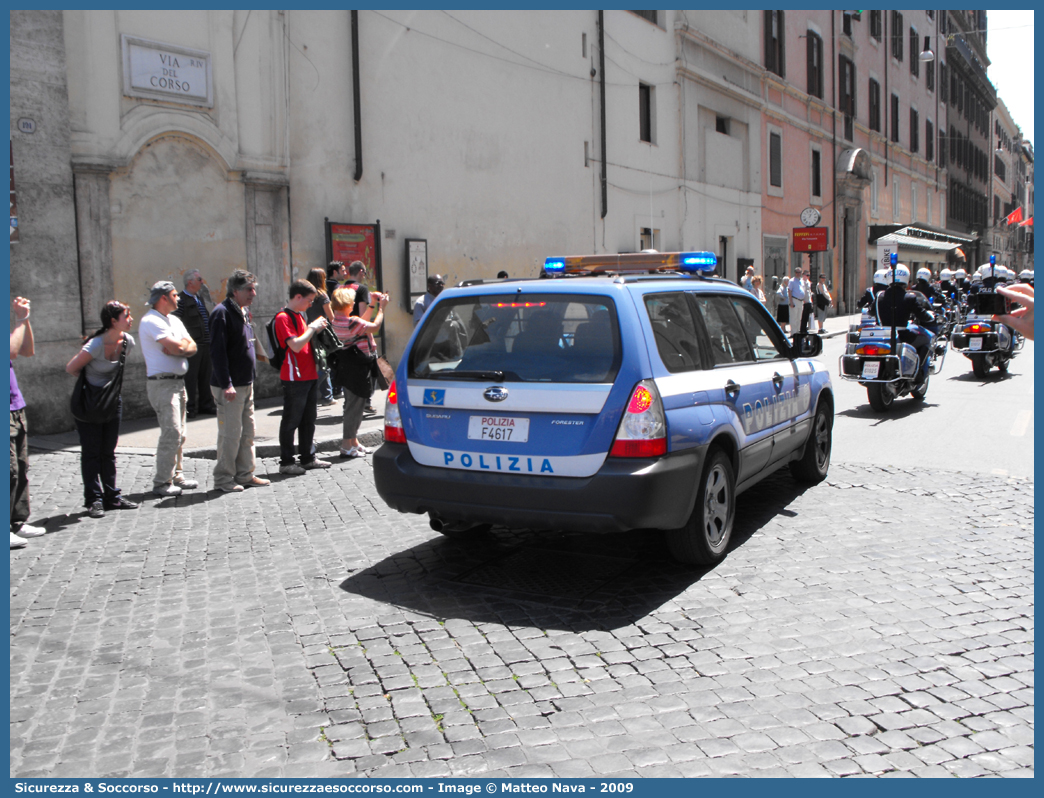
{"type": "Point", "coordinates": [1015, 216]}
{"type": "Point", "coordinates": [1028, 222]}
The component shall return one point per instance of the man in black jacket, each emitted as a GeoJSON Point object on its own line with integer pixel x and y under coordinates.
{"type": "Point", "coordinates": [232, 385]}
{"type": "Point", "coordinates": [192, 311]}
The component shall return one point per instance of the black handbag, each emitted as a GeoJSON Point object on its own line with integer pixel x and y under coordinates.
{"type": "Point", "coordinates": [98, 405]}
{"type": "Point", "coordinates": [351, 368]}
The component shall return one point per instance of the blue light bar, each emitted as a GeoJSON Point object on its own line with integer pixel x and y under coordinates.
{"type": "Point", "coordinates": [698, 262]}
{"type": "Point", "coordinates": [554, 265]}
{"type": "Point", "coordinates": [894, 259]}
{"type": "Point", "coordinates": [993, 260]}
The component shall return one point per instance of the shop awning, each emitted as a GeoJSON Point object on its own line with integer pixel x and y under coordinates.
{"type": "Point", "coordinates": [910, 242]}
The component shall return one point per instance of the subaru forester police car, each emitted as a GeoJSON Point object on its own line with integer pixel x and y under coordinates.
{"type": "Point", "coordinates": [621, 392]}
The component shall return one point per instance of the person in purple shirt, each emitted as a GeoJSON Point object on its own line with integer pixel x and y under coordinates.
{"type": "Point", "coordinates": [22, 345]}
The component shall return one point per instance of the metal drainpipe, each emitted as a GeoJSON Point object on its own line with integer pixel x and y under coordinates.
{"type": "Point", "coordinates": [833, 115]}
{"type": "Point", "coordinates": [601, 80]}
{"type": "Point", "coordinates": [357, 100]}
{"type": "Point", "coordinates": [886, 101]}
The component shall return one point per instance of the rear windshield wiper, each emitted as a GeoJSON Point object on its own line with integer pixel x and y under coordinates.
{"type": "Point", "coordinates": [465, 375]}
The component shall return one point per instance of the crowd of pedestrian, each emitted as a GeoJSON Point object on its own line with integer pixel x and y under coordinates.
{"type": "Point", "coordinates": [202, 361]}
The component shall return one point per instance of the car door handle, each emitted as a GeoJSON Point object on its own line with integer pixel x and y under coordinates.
{"type": "Point", "coordinates": [777, 380]}
{"type": "Point", "coordinates": [731, 388]}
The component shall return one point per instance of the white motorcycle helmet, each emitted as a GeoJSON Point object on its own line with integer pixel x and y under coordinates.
{"type": "Point", "coordinates": [945, 275]}
{"type": "Point", "coordinates": [1026, 276]}
{"type": "Point", "coordinates": [960, 274]}
{"type": "Point", "coordinates": [986, 271]}
{"type": "Point", "coordinates": [925, 274]}
{"type": "Point", "coordinates": [881, 277]}
{"type": "Point", "coordinates": [902, 274]}
{"type": "Point", "coordinates": [976, 278]}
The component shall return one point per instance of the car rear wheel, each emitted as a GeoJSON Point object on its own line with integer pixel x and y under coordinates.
{"type": "Point", "coordinates": [705, 537]}
{"type": "Point", "coordinates": [815, 461]}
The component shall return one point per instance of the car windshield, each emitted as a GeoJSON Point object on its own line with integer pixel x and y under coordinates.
{"type": "Point", "coordinates": [519, 338]}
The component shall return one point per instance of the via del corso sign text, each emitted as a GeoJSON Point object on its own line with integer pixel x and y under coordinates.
{"type": "Point", "coordinates": [168, 72]}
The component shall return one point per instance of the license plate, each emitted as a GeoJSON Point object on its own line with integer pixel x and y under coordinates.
{"type": "Point", "coordinates": [975, 343]}
{"type": "Point", "coordinates": [872, 369]}
{"type": "Point", "coordinates": [498, 428]}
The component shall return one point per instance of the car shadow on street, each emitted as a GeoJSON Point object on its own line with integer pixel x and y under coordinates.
{"type": "Point", "coordinates": [554, 580]}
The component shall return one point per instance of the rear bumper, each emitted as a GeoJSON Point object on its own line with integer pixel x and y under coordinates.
{"type": "Point", "coordinates": [990, 343]}
{"type": "Point", "coordinates": [624, 494]}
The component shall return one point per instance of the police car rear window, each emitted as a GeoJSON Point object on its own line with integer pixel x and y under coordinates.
{"type": "Point", "coordinates": [519, 338]}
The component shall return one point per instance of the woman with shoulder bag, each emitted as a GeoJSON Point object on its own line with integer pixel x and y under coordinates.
{"type": "Point", "coordinates": [356, 334]}
{"type": "Point", "coordinates": [823, 302]}
{"type": "Point", "coordinates": [102, 360]}
{"type": "Point", "coordinates": [321, 307]}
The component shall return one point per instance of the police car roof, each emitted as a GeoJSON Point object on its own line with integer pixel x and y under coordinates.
{"type": "Point", "coordinates": [594, 284]}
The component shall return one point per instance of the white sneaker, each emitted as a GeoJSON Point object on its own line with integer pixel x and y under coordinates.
{"type": "Point", "coordinates": [17, 542]}
{"type": "Point", "coordinates": [166, 490]}
{"type": "Point", "coordinates": [186, 484]}
{"type": "Point", "coordinates": [30, 531]}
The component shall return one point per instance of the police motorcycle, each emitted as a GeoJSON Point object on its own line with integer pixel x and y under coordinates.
{"type": "Point", "coordinates": [987, 343]}
{"type": "Point", "coordinates": [948, 311]}
{"type": "Point", "coordinates": [885, 365]}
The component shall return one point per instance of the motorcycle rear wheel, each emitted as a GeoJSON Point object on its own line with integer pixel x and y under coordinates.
{"type": "Point", "coordinates": [881, 395]}
{"type": "Point", "coordinates": [918, 392]}
{"type": "Point", "coordinates": [980, 367]}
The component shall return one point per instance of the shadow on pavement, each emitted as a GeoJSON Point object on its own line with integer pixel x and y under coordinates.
{"type": "Point", "coordinates": [554, 580]}
{"type": "Point", "coordinates": [901, 408]}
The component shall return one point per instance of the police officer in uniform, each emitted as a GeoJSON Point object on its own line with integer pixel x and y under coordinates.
{"type": "Point", "coordinates": [899, 305]}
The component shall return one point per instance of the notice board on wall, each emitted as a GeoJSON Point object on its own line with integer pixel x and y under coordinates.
{"type": "Point", "coordinates": [362, 242]}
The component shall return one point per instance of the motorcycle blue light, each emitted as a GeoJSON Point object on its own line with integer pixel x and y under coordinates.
{"type": "Point", "coordinates": [993, 260]}
{"type": "Point", "coordinates": [894, 259]}
{"type": "Point", "coordinates": [698, 261]}
{"type": "Point", "coordinates": [554, 265]}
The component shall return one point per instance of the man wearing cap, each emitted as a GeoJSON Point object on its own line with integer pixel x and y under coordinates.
{"type": "Point", "coordinates": [166, 345]}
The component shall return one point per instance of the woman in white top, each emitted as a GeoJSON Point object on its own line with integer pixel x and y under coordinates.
{"type": "Point", "coordinates": [100, 355]}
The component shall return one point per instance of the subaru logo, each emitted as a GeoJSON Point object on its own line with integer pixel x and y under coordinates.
{"type": "Point", "coordinates": [495, 394]}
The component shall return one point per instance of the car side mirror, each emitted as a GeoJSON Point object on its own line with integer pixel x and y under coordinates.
{"type": "Point", "coordinates": [807, 345]}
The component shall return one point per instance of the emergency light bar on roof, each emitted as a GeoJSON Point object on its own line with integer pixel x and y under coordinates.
{"type": "Point", "coordinates": [633, 263]}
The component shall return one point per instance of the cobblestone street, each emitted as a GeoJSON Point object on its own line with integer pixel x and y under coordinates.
{"type": "Point", "coordinates": [877, 624]}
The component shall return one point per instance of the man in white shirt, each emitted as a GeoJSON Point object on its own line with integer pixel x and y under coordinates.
{"type": "Point", "coordinates": [800, 295]}
{"type": "Point", "coordinates": [420, 307]}
{"type": "Point", "coordinates": [166, 345]}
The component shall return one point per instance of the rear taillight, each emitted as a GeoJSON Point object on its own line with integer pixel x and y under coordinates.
{"type": "Point", "coordinates": [874, 350]}
{"type": "Point", "coordinates": [643, 432]}
{"type": "Point", "coordinates": [978, 328]}
{"type": "Point", "coordinates": [393, 431]}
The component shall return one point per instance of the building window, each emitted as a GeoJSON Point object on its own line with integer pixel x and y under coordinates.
{"type": "Point", "coordinates": [775, 159]}
{"type": "Point", "coordinates": [649, 15]}
{"type": "Point", "coordinates": [646, 112]}
{"type": "Point", "coordinates": [929, 75]}
{"type": "Point", "coordinates": [846, 23]}
{"type": "Point", "coordinates": [928, 205]}
{"type": "Point", "coordinates": [999, 169]}
{"type": "Point", "coordinates": [814, 63]}
{"type": "Point", "coordinates": [895, 118]}
{"type": "Point", "coordinates": [846, 100]}
{"type": "Point", "coordinates": [915, 132]}
{"type": "Point", "coordinates": [943, 93]}
{"type": "Point", "coordinates": [915, 62]}
{"type": "Point", "coordinates": [875, 25]}
{"type": "Point", "coordinates": [721, 124]}
{"type": "Point", "coordinates": [774, 53]}
{"type": "Point", "coordinates": [875, 105]}
{"type": "Point", "coordinates": [897, 36]}
{"type": "Point", "coordinates": [942, 147]}
{"type": "Point", "coordinates": [817, 181]}
{"type": "Point", "coordinates": [929, 142]}
{"type": "Point", "coordinates": [996, 209]}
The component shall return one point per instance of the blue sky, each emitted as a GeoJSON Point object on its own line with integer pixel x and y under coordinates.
{"type": "Point", "coordinates": [1009, 46]}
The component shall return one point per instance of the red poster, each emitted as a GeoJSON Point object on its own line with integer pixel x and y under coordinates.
{"type": "Point", "coordinates": [350, 242]}
{"type": "Point", "coordinates": [810, 239]}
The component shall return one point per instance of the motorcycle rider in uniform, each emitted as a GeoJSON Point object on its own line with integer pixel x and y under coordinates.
{"type": "Point", "coordinates": [924, 285]}
{"type": "Point", "coordinates": [880, 283]}
{"type": "Point", "coordinates": [1026, 276]}
{"type": "Point", "coordinates": [899, 305]}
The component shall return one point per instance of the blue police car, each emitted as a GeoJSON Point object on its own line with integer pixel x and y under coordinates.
{"type": "Point", "coordinates": [619, 392]}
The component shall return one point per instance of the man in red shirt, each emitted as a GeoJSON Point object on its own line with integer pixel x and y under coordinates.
{"type": "Point", "coordinates": [300, 378]}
